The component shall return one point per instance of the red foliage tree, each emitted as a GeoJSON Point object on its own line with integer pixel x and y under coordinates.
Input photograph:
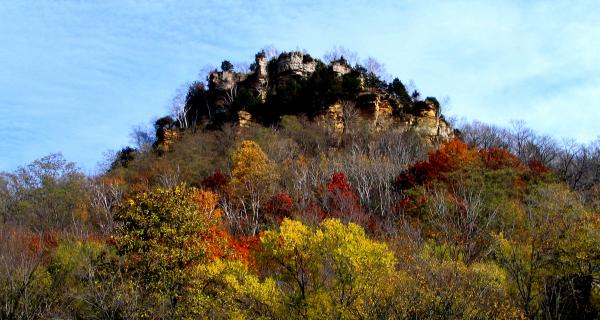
{"type": "Point", "coordinates": [342, 202]}
{"type": "Point", "coordinates": [314, 213]}
{"type": "Point", "coordinates": [216, 182]}
{"type": "Point", "coordinates": [452, 156]}
{"type": "Point", "coordinates": [538, 167]}
{"type": "Point", "coordinates": [498, 158]}
{"type": "Point", "coordinates": [279, 206]}
{"type": "Point", "coordinates": [222, 245]}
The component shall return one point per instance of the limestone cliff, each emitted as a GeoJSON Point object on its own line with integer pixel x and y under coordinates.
{"type": "Point", "coordinates": [296, 83]}
{"type": "Point", "coordinates": [295, 63]}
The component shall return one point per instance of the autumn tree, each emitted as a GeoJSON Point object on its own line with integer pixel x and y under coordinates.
{"type": "Point", "coordinates": [334, 271]}
{"type": "Point", "coordinates": [252, 179]}
{"type": "Point", "coordinates": [25, 284]}
{"type": "Point", "coordinates": [279, 207]}
{"type": "Point", "coordinates": [161, 235]}
{"type": "Point", "coordinates": [431, 285]}
{"type": "Point", "coordinates": [461, 220]}
{"type": "Point", "coordinates": [228, 289]}
{"type": "Point", "coordinates": [342, 202]}
{"type": "Point", "coordinates": [553, 261]}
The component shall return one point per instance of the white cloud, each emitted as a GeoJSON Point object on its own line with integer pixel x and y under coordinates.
{"type": "Point", "coordinates": [78, 75]}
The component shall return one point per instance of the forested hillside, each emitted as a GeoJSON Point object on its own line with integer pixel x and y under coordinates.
{"type": "Point", "coordinates": [302, 189]}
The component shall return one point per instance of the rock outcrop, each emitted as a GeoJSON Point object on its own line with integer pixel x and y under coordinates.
{"type": "Point", "coordinates": [261, 74]}
{"type": "Point", "coordinates": [169, 137]}
{"type": "Point", "coordinates": [296, 63]}
{"type": "Point", "coordinates": [286, 66]}
{"type": "Point", "coordinates": [380, 105]}
{"type": "Point", "coordinates": [341, 67]}
{"type": "Point", "coordinates": [429, 121]}
{"type": "Point", "coordinates": [244, 119]}
{"type": "Point", "coordinates": [224, 86]}
{"type": "Point", "coordinates": [385, 112]}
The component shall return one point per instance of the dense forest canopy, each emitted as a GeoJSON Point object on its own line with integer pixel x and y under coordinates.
{"type": "Point", "coordinates": [278, 192]}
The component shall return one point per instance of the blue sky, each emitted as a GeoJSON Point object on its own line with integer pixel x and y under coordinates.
{"type": "Point", "coordinates": [76, 76]}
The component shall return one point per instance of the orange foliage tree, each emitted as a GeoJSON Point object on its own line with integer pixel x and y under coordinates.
{"type": "Point", "coordinates": [452, 156]}
{"type": "Point", "coordinates": [253, 180]}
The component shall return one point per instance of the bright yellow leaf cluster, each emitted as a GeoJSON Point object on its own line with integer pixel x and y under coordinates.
{"type": "Point", "coordinates": [250, 164]}
{"type": "Point", "coordinates": [335, 271]}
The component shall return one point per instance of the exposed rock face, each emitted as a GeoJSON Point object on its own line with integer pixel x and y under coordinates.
{"type": "Point", "coordinates": [430, 123]}
{"type": "Point", "coordinates": [334, 117]}
{"type": "Point", "coordinates": [381, 109]}
{"type": "Point", "coordinates": [225, 80]}
{"type": "Point", "coordinates": [380, 106]}
{"type": "Point", "coordinates": [224, 85]}
{"type": "Point", "coordinates": [170, 136]}
{"type": "Point", "coordinates": [341, 67]}
{"type": "Point", "coordinates": [295, 63]}
{"type": "Point", "coordinates": [377, 106]}
{"type": "Point", "coordinates": [244, 119]}
{"type": "Point", "coordinates": [292, 64]}
{"type": "Point", "coordinates": [262, 77]}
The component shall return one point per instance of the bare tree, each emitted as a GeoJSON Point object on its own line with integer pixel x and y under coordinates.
{"type": "Point", "coordinates": [349, 115]}
{"type": "Point", "coordinates": [270, 51]}
{"type": "Point", "coordinates": [338, 52]}
{"type": "Point", "coordinates": [143, 136]}
{"type": "Point", "coordinates": [543, 149]}
{"type": "Point", "coordinates": [243, 213]}
{"type": "Point", "coordinates": [178, 107]}
{"type": "Point", "coordinates": [22, 293]}
{"type": "Point", "coordinates": [484, 136]}
{"type": "Point", "coordinates": [464, 221]}
{"type": "Point", "coordinates": [170, 178]}
{"type": "Point", "coordinates": [372, 160]}
{"type": "Point", "coordinates": [230, 94]}
{"type": "Point", "coordinates": [104, 200]}
{"type": "Point", "coordinates": [520, 138]}
{"type": "Point", "coordinates": [242, 67]}
{"type": "Point", "coordinates": [375, 69]}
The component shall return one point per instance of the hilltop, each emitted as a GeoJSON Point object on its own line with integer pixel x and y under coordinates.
{"type": "Point", "coordinates": [300, 189]}
{"type": "Point", "coordinates": [295, 83]}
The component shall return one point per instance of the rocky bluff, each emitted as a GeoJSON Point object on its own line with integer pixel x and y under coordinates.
{"type": "Point", "coordinates": [294, 83]}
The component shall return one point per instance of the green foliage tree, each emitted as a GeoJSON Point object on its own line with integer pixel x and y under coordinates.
{"type": "Point", "coordinates": [226, 65]}
{"type": "Point", "coordinates": [398, 88]}
{"type": "Point", "coordinates": [161, 235]}
{"type": "Point", "coordinates": [45, 195]}
{"type": "Point", "coordinates": [554, 259]}
{"type": "Point", "coordinates": [432, 285]}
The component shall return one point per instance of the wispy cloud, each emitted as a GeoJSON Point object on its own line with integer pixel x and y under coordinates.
{"type": "Point", "coordinates": [76, 76]}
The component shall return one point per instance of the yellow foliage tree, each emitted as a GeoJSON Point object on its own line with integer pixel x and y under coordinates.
{"type": "Point", "coordinates": [226, 289]}
{"type": "Point", "coordinates": [250, 165]}
{"type": "Point", "coordinates": [253, 178]}
{"type": "Point", "coordinates": [334, 271]}
{"type": "Point", "coordinates": [436, 286]}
